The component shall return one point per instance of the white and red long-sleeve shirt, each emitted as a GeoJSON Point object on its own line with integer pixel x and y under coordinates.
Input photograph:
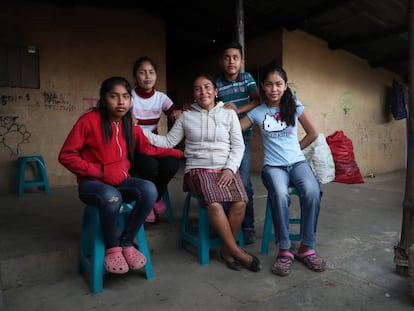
{"type": "Point", "coordinates": [148, 110]}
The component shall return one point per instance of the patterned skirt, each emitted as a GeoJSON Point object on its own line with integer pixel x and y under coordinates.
{"type": "Point", "coordinates": [203, 182]}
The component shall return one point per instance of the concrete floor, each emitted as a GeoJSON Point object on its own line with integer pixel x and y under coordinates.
{"type": "Point", "coordinates": [359, 225]}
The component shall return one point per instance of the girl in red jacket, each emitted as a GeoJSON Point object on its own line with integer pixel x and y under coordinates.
{"type": "Point", "coordinates": [98, 150]}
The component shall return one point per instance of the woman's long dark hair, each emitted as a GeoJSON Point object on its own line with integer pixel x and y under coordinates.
{"type": "Point", "coordinates": [287, 102]}
{"type": "Point", "coordinates": [102, 106]}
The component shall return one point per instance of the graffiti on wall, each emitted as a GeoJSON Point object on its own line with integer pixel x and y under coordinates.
{"type": "Point", "coordinates": [347, 101]}
{"type": "Point", "coordinates": [12, 134]}
{"type": "Point", "coordinates": [8, 99]}
{"type": "Point", "coordinates": [52, 100]}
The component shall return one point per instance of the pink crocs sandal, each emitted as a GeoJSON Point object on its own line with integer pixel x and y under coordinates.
{"type": "Point", "coordinates": [160, 207]}
{"type": "Point", "coordinates": [311, 260]}
{"type": "Point", "coordinates": [283, 263]}
{"type": "Point", "coordinates": [135, 259]}
{"type": "Point", "coordinates": [115, 261]}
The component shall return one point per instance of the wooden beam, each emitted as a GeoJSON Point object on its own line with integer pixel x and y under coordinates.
{"type": "Point", "coordinates": [240, 26]}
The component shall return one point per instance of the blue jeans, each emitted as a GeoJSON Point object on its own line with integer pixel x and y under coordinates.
{"type": "Point", "coordinates": [277, 180]}
{"type": "Point", "coordinates": [109, 200]}
{"type": "Point", "coordinates": [245, 168]}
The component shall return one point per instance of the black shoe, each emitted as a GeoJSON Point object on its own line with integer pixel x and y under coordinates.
{"type": "Point", "coordinates": [234, 265]}
{"type": "Point", "coordinates": [249, 235]}
{"type": "Point", "coordinates": [255, 264]}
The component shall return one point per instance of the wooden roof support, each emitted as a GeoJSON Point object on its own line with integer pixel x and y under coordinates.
{"type": "Point", "coordinates": [240, 26]}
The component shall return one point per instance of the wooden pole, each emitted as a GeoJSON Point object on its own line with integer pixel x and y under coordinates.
{"type": "Point", "coordinates": [407, 230]}
{"type": "Point", "coordinates": [240, 26]}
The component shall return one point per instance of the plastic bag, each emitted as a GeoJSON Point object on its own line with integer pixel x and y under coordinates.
{"type": "Point", "coordinates": [346, 169]}
{"type": "Point", "coordinates": [319, 156]}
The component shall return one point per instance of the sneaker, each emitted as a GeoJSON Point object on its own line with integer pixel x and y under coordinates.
{"type": "Point", "coordinates": [160, 207]}
{"type": "Point", "coordinates": [249, 235]}
{"type": "Point", "coordinates": [151, 216]}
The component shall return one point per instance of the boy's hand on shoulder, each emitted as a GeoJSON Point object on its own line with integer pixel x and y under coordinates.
{"type": "Point", "coordinates": [186, 107]}
{"type": "Point", "coordinates": [230, 105]}
{"type": "Point", "coordinates": [175, 114]}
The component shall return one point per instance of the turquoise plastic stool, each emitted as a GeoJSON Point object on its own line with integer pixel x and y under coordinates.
{"type": "Point", "coordinates": [166, 199]}
{"type": "Point", "coordinates": [200, 235]}
{"type": "Point", "coordinates": [40, 180]}
{"type": "Point", "coordinates": [268, 232]}
{"type": "Point", "coordinates": [92, 248]}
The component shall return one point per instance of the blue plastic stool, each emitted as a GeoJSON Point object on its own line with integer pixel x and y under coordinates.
{"type": "Point", "coordinates": [200, 235]}
{"type": "Point", "coordinates": [268, 233]}
{"type": "Point", "coordinates": [166, 199]}
{"type": "Point", "coordinates": [40, 180]}
{"type": "Point", "coordinates": [92, 248]}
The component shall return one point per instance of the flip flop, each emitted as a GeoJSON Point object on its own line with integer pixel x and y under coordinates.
{"type": "Point", "coordinates": [311, 260]}
{"type": "Point", "coordinates": [114, 261]}
{"type": "Point", "coordinates": [135, 259]}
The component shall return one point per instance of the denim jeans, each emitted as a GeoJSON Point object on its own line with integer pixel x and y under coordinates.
{"type": "Point", "coordinates": [245, 168]}
{"type": "Point", "coordinates": [109, 200]}
{"type": "Point", "coordinates": [276, 180]}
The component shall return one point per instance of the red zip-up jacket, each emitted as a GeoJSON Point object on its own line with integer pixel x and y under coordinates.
{"type": "Point", "coordinates": [85, 153]}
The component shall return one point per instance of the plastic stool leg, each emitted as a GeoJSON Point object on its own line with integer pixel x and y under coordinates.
{"type": "Point", "coordinates": [143, 247]}
{"type": "Point", "coordinates": [21, 163]}
{"type": "Point", "coordinates": [185, 220]}
{"type": "Point", "coordinates": [204, 236]}
{"type": "Point", "coordinates": [240, 238]}
{"type": "Point", "coordinates": [97, 269]}
{"type": "Point", "coordinates": [267, 229]}
{"type": "Point", "coordinates": [84, 244]}
{"type": "Point", "coordinates": [166, 199]}
{"type": "Point", "coordinates": [41, 169]}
